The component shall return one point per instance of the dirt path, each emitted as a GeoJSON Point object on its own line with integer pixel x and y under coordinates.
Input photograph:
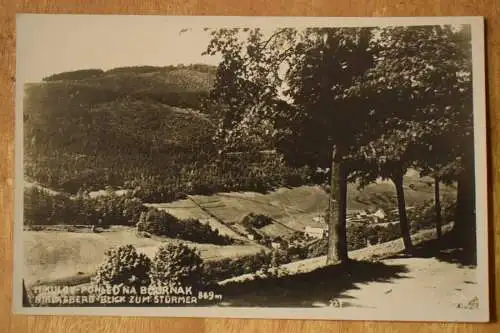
{"type": "Point", "coordinates": [427, 281]}
{"type": "Point", "coordinates": [397, 287]}
{"type": "Point", "coordinates": [380, 278]}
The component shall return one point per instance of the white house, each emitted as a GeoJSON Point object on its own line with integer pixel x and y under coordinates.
{"type": "Point", "coordinates": [275, 245]}
{"type": "Point", "coordinates": [380, 214]}
{"type": "Point", "coordinates": [315, 232]}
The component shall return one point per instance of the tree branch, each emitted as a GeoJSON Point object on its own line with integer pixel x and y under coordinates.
{"type": "Point", "coordinates": [271, 37]}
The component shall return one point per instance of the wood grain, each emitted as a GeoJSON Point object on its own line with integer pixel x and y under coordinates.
{"type": "Point", "coordinates": [8, 8]}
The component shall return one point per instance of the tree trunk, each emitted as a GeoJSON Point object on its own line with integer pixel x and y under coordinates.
{"type": "Point", "coordinates": [403, 218]}
{"type": "Point", "coordinates": [464, 229]}
{"type": "Point", "coordinates": [437, 205]}
{"type": "Point", "coordinates": [337, 238]}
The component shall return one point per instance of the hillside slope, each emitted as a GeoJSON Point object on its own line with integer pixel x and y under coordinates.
{"type": "Point", "coordinates": [293, 209]}
{"type": "Point", "coordinates": [106, 128]}
{"type": "Point", "coordinates": [137, 79]}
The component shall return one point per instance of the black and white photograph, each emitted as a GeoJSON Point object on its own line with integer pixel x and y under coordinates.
{"type": "Point", "coordinates": [251, 167]}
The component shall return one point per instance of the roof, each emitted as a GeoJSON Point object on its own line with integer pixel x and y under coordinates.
{"type": "Point", "coordinates": [314, 229]}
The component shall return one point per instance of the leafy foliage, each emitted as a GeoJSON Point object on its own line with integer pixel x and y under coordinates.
{"type": "Point", "coordinates": [255, 221]}
{"type": "Point", "coordinates": [123, 266]}
{"type": "Point", "coordinates": [252, 95]}
{"type": "Point", "coordinates": [299, 111]}
{"type": "Point", "coordinates": [43, 208]}
{"type": "Point", "coordinates": [420, 113]}
{"type": "Point", "coordinates": [367, 102]}
{"type": "Point", "coordinates": [177, 265]}
{"type": "Point", "coordinates": [218, 270]}
{"type": "Point", "coordinates": [407, 91]}
{"type": "Point", "coordinates": [161, 223]}
{"type": "Point", "coordinates": [424, 215]}
{"type": "Point", "coordinates": [421, 116]}
{"type": "Point", "coordinates": [358, 237]}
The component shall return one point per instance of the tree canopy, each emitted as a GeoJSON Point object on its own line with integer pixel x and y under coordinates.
{"type": "Point", "coordinates": [369, 102]}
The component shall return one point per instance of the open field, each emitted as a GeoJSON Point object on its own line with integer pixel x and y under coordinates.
{"type": "Point", "coordinates": [58, 254]}
{"type": "Point", "coordinates": [292, 209]}
{"type": "Point", "coordinates": [381, 278]}
{"type": "Point", "coordinates": [51, 255]}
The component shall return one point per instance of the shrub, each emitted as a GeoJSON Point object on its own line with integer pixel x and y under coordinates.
{"type": "Point", "coordinates": [222, 269]}
{"type": "Point", "coordinates": [297, 252]}
{"type": "Point", "coordinates": [265, 262]}
{"type": "Point", "coordinates": [258, 221]}
{"type": "Point", "coordinates": [155, 173]}
{"type": "Point", "coordinates": [177, 264]}
{"type": "Point", "coordinates": [298, 177]}
{"type": "Point", "coordinates": [424, 215]}
{"type": "Point", "coordinates": [449, 211]}
{"type": "Point", "coordinates": [318, 248]}
{"type": "Point", "coordinates": [161, 223]}
{"type": "Point", "coordinates": [143, 234]}
{"type": "Point", "coordinates": [109, 209]}
{"type": "Point", "coordinates": [124, 266]}
{"type": "Point", "coordinates": [279, 257]}
{"type": "Point", "coordinates": [158, 222]}
{"type": "Point", "coordinates": [44, 208]}
{"type": "Point", "coordinates": [273, 269]}
{"type": "Point", "coordinates": [356, 236]}
{"type": "Point", "coordinates": [389, 233]}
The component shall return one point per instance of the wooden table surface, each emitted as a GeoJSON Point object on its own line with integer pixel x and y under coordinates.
{"type": "Point", "coordinates": [8, 8]}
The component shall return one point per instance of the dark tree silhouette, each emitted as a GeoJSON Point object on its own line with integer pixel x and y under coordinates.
{"type": "Point", "coordinates": [302, 110]}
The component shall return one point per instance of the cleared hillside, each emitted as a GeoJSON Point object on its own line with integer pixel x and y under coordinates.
{"type": "Point", "coordinates": [292, 209]}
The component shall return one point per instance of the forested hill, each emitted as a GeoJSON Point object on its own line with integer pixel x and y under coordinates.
{"type": "Point", "coordinates": [60, 115]}
{"type": "Point", "coordinates": [123, 109]}
{"type": "Point", "coordinates": [127, 107]}
{"type": "Point", "coordinates": [135, 127]}
{"type": "Point", "coordinates": [134, 119]}
{"type": "Point", "coordinates": [183, 86]}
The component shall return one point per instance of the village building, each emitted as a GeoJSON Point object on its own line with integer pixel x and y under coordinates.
{"type": "Point", "coordinates": [315, 232]}
{"type": "Point", "coordinates": [380, 214]}
{"type": "Point", "coordinates": [276, 245]}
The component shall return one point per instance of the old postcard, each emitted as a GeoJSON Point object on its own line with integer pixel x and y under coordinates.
{"type": "Point", "coordinates": [251, 167]}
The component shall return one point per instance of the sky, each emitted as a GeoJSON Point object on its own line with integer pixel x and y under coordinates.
{"type": "Point", "coordinates": [48, 44]}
